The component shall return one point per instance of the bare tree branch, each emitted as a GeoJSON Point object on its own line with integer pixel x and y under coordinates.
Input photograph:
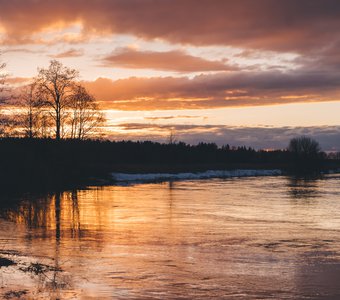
{"type": "Point", "coordinates": [55, 85]}
{"type": "Point", "coordinates": [85, 117]}
{"type": "Point", "coordinates": [3, 76]}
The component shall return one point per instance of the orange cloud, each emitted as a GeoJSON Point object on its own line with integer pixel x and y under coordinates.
{"type": "Point", "coordinates": [176, 60]}
{"type": "Point", "coordinates": [69, 53]}
{"type": "Point", "coordinates": [215, 90]}
{"type": "Point", "coordinates": [170, 118]}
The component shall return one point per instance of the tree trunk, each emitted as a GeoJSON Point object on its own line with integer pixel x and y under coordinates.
{"type": "Point", "coordinates": [57, 131]}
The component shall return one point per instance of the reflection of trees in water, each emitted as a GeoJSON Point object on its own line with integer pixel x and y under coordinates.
{"type": "Point", "coordinates": [75, 225]}
{"type": "Point", "coordinates": [54, 217]}
{"type": "Point", "coordinates": [58, 215]}
{"type": "Point", "coordinates": [171, 185]}
{"type": "Point", "coordinates": [304, 188]}
{"type": "Point", "coordinates": [58, 211]}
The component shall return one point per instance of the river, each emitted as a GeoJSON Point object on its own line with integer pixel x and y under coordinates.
{"type": "Point", "coordinates": [273, 237]}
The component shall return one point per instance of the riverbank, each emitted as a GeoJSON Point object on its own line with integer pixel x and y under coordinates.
{"type": "Point", "coordinates": [44, 163]}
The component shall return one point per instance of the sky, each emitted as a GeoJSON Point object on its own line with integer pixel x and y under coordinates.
{"type": "Point", "coordinates": [245, 72]}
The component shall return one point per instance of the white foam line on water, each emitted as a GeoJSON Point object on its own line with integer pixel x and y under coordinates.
{"type": "Point", "coordinates": [147, 177]}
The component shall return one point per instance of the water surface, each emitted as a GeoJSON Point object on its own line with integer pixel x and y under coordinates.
{"type": "Point", "coordinates": [241, 238]}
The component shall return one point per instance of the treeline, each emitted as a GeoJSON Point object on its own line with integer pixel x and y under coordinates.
{"type": "Point", "coordinates": [52, 162]}
{"type": "Point", "coordinates": [53, 105]}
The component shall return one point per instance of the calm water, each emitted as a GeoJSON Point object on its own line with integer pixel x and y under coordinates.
{"type": "Point", "coordinates": [249, 238]}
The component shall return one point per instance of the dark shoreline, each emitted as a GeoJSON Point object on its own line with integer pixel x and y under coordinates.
{"type": "Point", "coordinates": [28, 164]}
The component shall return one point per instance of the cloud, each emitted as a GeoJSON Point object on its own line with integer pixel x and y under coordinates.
{"type": "Point", "coordinates": [176, 60]}
{"type": "Point", "coordinates": [282, 25]}
{"type": "Point", "coordinates": [223, 89]}
{"type": "Point", "coordinates": [18, 81]}
{"type": "Point", "coordinates": [170, 118]}
{"type": "Point", "coordinates": [22, 50]}
{"type": "Point", "coordinates": [257, 137]}
{"type": "Point", "coordinates": [69, 53]}
{"type": "Point", "coordinates": [307, 28]}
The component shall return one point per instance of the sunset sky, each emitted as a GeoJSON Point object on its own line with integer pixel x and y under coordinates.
{"type": "Point", "coordinates": [245, 72]}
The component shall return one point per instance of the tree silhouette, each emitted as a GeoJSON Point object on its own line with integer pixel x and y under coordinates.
{"type": "Point", "coordinates": [31, 107]}
{"type": "Point", "coordinates": [85, 116]}
{"type": "Point", "coordinates": [3, 119]}
{"type": "Point", "coordinates": [304, 148]}
{"type": "Point", "coordinates": [172, 137]}
{"type": "Point", "coordinates": [56, 87]}
{"type": "Point", "coordinates": [2, 75]}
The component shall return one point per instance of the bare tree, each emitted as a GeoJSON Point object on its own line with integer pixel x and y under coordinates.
{"type": "Point", "coordinates": [9, 122]}
{"type": "Point", "coordinates": [2, 76]}
{"type": "Point", "coordinates": [172, 137]}
{"type": "Point", "coordinates": [32, 111]}
{"type": "Point", "coordinates": [304, 148]}
{"type": "Point", "coordinates": [56, 87]}
{"type": "Point", "coordinates": [3, 119]}
{"type": "Point", "coordinates": [45, 125]}
{"type": "Point", "coordinates": [85, 116]}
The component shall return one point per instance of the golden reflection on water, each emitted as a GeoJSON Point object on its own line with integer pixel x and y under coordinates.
{"type": "Point", "coordinates": [240, 238]}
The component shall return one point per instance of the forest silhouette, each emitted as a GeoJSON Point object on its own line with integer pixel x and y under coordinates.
{"type": "Point", "coordinates": [49, 163]}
